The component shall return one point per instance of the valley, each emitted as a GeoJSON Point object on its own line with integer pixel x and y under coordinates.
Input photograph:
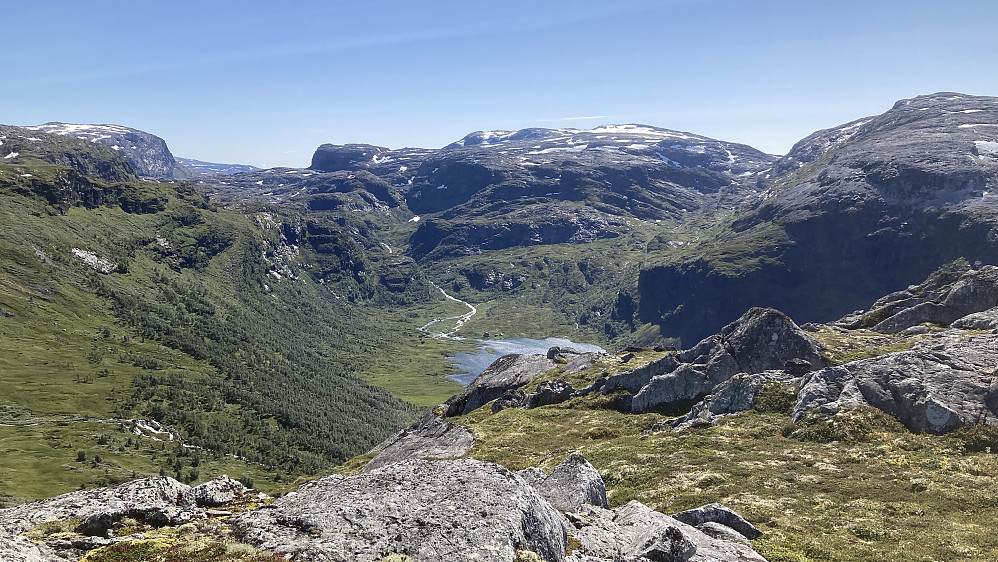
{"type": "Point", "coordinates": [282, 324]}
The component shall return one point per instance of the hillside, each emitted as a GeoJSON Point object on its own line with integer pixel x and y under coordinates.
{"type": "Point", "coordinates": [129, 304]}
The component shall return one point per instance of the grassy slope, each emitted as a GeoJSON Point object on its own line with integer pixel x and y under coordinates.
{"type": "Point", "coordinates": [69, 362]}
{"type": "Point", "coordinates": [855, 487]}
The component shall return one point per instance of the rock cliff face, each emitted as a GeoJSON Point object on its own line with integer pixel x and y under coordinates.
{"type": "Point", "coordinates": [147, 153]}
{"type": "Point", "coordinates": [849, 214]}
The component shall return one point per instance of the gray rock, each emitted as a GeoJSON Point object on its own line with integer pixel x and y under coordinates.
{"type": "Point", "coordinates": [20, 549]}
{"type": "Point", "coordinates": [631, 531]}
{"type": "Point", "coordinates": [937, 386]}
{"type": "Point", "coordinates": [550, 392]}
{"type": "Point", "coordinates": [214, 493]}
{"type": "Point", "coordinates": [429, 437]}
{"type": "Point", "coordinates": [723, 532]}
{"type": "Point", "coordinates": [429, 510]}
{"type": "Point", "coordinates": [762, 339]}
{"type": "Point", "coordinates": [986, 320]}
{"type": "Point", "coordinates": [532, 475]}
{"type": "Point", "coordinates": [718, 513]}
{"type": "Point", "coordinates": [506, 373]}
{"type": "Point", "coordinates": [737, 394]}
{"type": "Point", "coordinates": [514, 398]}
{"type": "Point", "coordinates": [571, 484]}
{"type": "Point", "coordinates": [143, 496]}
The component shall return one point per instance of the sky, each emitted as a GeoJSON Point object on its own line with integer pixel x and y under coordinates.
{"type": "Point", "coordinates": [265, 83]}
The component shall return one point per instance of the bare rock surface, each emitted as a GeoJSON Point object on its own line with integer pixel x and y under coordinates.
{"type": "Point", "coordinates": [144, 496]}
{"type": "Point", "coordinates": [572, 484]}
{"type": "Point", "coordinates": [636, 532]}
{"type": "Point", "coordinates": [21, 549]}
{"type": "Point", "coordinates": [214, 493]}
{"type": "Point", "coordinates": [429, 510]}
{"type": "Point", "coordinates": [429, 437]}
{"type": "Point", "coordinates": [938, 385]}
{"type": "Point", "coordinates": [736, 394]}
{"type": "Point", "coordinates": [506, 373]}
{"type": "Point", "coordinates": [762, 339]}
{"type": "Point", "coordinates": [986, 320]}
{"type": "Point", "coordinates": [720, 514]}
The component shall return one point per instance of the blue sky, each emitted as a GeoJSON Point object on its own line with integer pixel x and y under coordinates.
{"type": "Point", "coordinates": [265, 83]}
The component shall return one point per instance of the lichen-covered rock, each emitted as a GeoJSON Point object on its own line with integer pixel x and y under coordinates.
{"type": "Point", "coordinates": [214, 493]}
{"type": "Point", "coordinates": [429, 510]}
{"type": "Point", "coordinates": [635, 530]}
{"type": "Point", "coordinates": [718, 513]}
{"type": "Point", "coordinates": [737, 394]}
{"type": "Point", "coordinates": [986, 320]}
{"type": "Point", "coordinates": [572, 483]}
{"type": "Point", "coordinates": [514, 398]}
{"type": "Point", "coordinates": [550, 392]}
{"type": "Point", "coordinates": [429, 437]}
{"type": "Point", "coordinates": [20, 549]}
{"type": "Point", "coordinates": [143, 496]}
{"type": "Point", "coordinates": [937, 386]}
{"type": "Point", "coordinates": [762, 339]}
{"type": "Point", "coordinates": [506, 373]}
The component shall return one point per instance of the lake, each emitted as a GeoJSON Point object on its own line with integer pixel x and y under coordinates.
{"type": "Point", "coordinates": [474, 362]}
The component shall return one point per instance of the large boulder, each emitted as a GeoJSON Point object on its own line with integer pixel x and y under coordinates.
{"type": "Point", "coordinates": [506, 373]}
{"type": "Point", "coordinates": [719, 514]}
{"type": "Point", "coordinates": [635, 530]}
{"type": "Point", "coordinates": [736, 394]}
{"type": "Point", "coordinates": [938, 385]}
{"type": "Point", "coordinates": [762, 339]}
{"type": "Point", "coordinates": [21, 549]}
{"type": "Point", "coordinates": [973, 291]}
{"type": "Point", "coordinates": [572, 484]}
{"type": "Point", "coordinates": [142, 497]}
{"type": "Point", "coordinates": [430, 437]}
{"type": "Point", "coordinates": [429, 510]}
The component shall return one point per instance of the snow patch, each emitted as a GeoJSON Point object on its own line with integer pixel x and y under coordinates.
{"type": "Point", "coordinates": [415, 219]}
{"type": "Point", "coordinates": [441, 186]}
{"type": "Point", "coordinates": [11, 155]}
{"type": "Point", "coordinates": [987, 146]}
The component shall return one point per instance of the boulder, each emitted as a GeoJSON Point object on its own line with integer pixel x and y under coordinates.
{"type": "Point", "coordinates": [21, 549]}
{"type": "Point", "coordinates": [635, 530]}
{"type": "Point", "coordinates": [514, 398]}
{"type": "Point", "coordinates": [429, 510]}
{"type": "Point", "coordinates": [550, 392]}
{"type": "Point", "coordinates": [986, 320]}
{"type": "Point", "coordinates": [144, 497]}
{"type": "Point", "coordinates": [214, 493]}
{"type": "Point", "coordinates": [506, 373]}
{"type": "Point", "coordinates": [572, 484]}
{"type": "Point", "coordinates": [762, 339]}
{"type": "Point", "coordinates": [737, 394]}
{"type": "Point", "coordinates": [938, 385]}
{"type": "Point", "coordinates": [720, 514]}
{"type": "Point", "coordinates": [429, 437]}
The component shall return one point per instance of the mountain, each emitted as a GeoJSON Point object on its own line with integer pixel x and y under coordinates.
{"type": "Point", "coordinates": [850, 213]}
{"type": "Point", "coordinates": [202, 167]}
{"type": "Point", "coordinates": [147, 153]}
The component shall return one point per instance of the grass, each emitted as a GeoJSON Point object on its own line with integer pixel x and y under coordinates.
{"type": "Point", "coordinates": [844, 346]}
{"type": "Point", "coordinates": [853, 487]}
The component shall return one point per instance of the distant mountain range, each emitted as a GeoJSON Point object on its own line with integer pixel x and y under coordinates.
{"type": "Point", "coordinates": [203, 167]}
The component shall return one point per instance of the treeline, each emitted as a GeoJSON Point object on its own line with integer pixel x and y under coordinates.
{"type": "Point", "coordinates": [284, 395]}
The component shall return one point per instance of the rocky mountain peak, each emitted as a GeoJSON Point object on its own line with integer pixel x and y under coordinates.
{"type": "Point", "coordinates": [147, 153]}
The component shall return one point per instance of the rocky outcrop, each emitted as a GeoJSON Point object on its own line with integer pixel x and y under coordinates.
{"type": "Point", "coordinates": [944, 298]}
{"type": "Point", "coordinates": [986, 320]}
{"type": "Point", "coordinates": [938, 385]}
{"type": "Point", "coordinates": [762, 339]}
{"type": "Point", "coordinates": [429, 437]}
{"type": "Point", "coordinates": [142, 497]}
{"type": "Point", "coordinates": [635, 530]}
{"type": "Point", "coordinates": [214, 493]}
{"type": "Point", "coordinates": [506, 373]}
{"type": "Point", "coordinates": [850, 214]}
{"type": "Point", "coordinates": [737, 394]}
{"type": "Point", "coordinates": [20, 549]}
{"type": "Point", "coordinates": [147, 153]}
{"type": "Point", "coordinates": [718, 514]}
{"type": "Point", "coordinates": [571, 484]}
{"type": "Point", "coordinates": [429, 510]}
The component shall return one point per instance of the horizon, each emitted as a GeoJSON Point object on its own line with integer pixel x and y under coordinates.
{"type": "Point", "coordinates": [251, 83]}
